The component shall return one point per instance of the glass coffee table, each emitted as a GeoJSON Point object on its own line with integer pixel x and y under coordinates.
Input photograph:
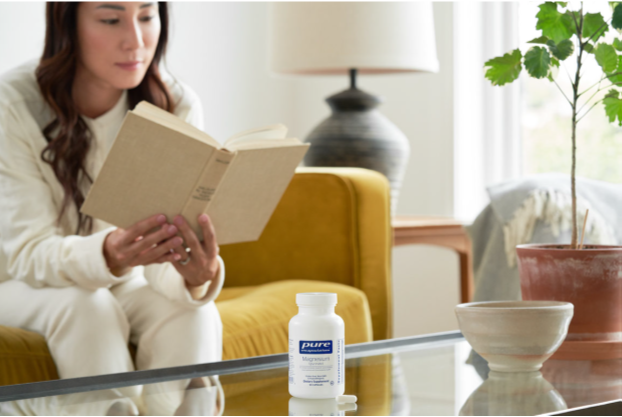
{"type": "Point", "coordinates": [424, 375]}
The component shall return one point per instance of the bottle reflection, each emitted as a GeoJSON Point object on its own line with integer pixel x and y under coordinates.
{"type": "Point", "coordinates": [324, 407]}
{"type": "Point", "coordinates": [513, 393]}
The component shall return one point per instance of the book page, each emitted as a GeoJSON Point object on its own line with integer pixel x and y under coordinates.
{"type": "Point", "coordinates": [272, 132]}
{"type": "Point", "coordinates": [266, 143]}
{"type": "Point", "coordinates": [161, 116]}
{"type": "Point", "coordinates": [150, 169]}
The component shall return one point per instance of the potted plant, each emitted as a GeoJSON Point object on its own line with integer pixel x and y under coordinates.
{"type": "Point", "coordinates": [590, 277]}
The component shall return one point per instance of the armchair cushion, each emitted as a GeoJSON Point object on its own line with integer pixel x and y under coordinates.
{"type": "Point", "coordinates": [24, 357]}
{"type": "Point", "coordinates": [255, 319]}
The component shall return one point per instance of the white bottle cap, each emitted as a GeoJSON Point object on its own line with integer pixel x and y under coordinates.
{"type": "Point", "coordinates": [316, 299]}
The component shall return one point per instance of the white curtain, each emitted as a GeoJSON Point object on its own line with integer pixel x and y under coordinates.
{"type": "Point", "coordinates": [486, 118]}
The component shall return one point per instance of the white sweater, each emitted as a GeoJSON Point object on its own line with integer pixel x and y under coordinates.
{"type": "Point", "coordinates": [33, 247]}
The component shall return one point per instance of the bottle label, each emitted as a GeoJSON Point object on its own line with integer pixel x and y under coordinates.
{"type": "Point", "coordinates": [316, 363]}
{"type": "Point", "coordinates": [316, 347]}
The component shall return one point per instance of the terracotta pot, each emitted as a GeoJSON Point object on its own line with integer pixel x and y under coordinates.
{"type": "Point", "coordinates": [590, 278]}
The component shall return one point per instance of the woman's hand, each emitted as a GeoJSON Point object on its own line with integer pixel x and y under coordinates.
{"type": "Point", "coordinates": [200, 264]}
{"type": "Point", "coordinates": [146, 242]}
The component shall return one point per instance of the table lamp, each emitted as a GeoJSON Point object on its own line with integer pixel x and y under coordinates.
{"type": "Point", "coordinates": [329, 38]}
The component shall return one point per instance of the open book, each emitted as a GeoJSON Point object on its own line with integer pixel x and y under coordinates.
{"type": "Point", "coordinates": [161, 164]}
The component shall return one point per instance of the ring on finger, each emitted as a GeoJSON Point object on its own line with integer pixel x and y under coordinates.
{"type": "Point", "coordinates": [184, 261]}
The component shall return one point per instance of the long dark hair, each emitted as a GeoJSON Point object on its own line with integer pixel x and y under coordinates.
{"type": "Point", "coordinates": [68, 136]}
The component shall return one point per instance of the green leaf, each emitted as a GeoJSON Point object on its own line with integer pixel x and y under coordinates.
{"type": "Point", "coordinates": [504, 69]}
{"type": "Point", "coordinates": [562, 50]}
{"type": "Point", "coordinates": [616, 78]}
{"type": "Point", "coordinates": [562, 3]}
{"type": "Point", "coordinates": [555, 25]}
{"type": "Point", "coordinates": [606, 57]}
{"type": "Point", "coordinates": [541, 40]}
{"type": "Point", "coordinates": [589, 48]}
{"type": "Point", "coordinates": [616, 20]}
{"type": "Point", "coordinates": [613, 93]}
{"type": "Point", "coordinates": [537, 62]}
{"type": "Point", "coordinates": [594, 26]}
{"type": "Point", "coordinates": [613, 106]}
{"type": "Point", "coordinates": [553, 69]}
{"type": "Point", "coordinates": [617, 43]}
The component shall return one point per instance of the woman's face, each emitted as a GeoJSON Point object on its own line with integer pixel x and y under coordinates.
{"type": "Point", "coordinates": [117, 41]}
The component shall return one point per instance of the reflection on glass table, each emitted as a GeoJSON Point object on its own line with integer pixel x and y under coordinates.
{"type": "Point", "coordinates": [513, 394]}
{"type": "Point", "coordinates": [426, 375]}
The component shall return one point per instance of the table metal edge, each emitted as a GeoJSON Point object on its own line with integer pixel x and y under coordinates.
{"type": "Point", "coordinates": [257, 363]}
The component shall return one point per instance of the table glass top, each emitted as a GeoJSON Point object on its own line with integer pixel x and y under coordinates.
{"type": "Point", "coordinates": [430, 375]}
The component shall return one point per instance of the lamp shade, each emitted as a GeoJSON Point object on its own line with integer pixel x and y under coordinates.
{"type": "Point", "coordinates": [329, 38]}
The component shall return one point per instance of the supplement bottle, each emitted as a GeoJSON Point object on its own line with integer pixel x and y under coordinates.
{"type": "Point", "coordinates": [316, 348]}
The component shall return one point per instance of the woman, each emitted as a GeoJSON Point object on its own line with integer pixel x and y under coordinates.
{"type": "Point", "coordinates": [88, 288]}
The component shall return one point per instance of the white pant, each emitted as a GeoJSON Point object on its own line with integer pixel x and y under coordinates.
{"type": "Point", "coordinates": [88, 332]}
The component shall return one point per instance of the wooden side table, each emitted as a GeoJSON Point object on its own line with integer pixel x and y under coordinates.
{"type": "Point", "coordinates": [438, 231]}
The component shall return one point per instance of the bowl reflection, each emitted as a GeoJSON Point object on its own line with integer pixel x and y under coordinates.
{"type": "Point", "coordinates": [511, 394]}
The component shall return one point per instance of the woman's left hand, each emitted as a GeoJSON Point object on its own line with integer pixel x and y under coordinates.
{"type": "Point", "coordinates": [200, 264]}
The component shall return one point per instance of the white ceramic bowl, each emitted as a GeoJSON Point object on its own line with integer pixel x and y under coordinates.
{"type": "Point", "coordinates": [515, 336]}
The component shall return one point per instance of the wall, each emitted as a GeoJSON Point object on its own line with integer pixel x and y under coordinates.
{"type": "Point", "coordinates": [19, 41]}
{"type": "Point", "coordinates": [220, 49]}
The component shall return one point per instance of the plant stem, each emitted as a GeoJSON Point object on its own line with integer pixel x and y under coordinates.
{"type": "Point", "coordinates": [593, 85]}
{"type": "Point", "coordinates": [575, 94]}
{"type": "Point", "coordinates": [591, 97]}
{"type": "Point", "coordinates": [562, 91]}
{"type": "Point", "coordinates": [566, 70]}
{"type": "Point", "coordinates": [606, 86]}
{"type": "Point", "coordinates": [588, 110]}
{"type": "Point", "coordinates": [603, 88]}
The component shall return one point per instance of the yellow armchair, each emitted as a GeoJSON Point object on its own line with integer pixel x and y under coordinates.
{"type": "Point", "coordinates": [330, 233]}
